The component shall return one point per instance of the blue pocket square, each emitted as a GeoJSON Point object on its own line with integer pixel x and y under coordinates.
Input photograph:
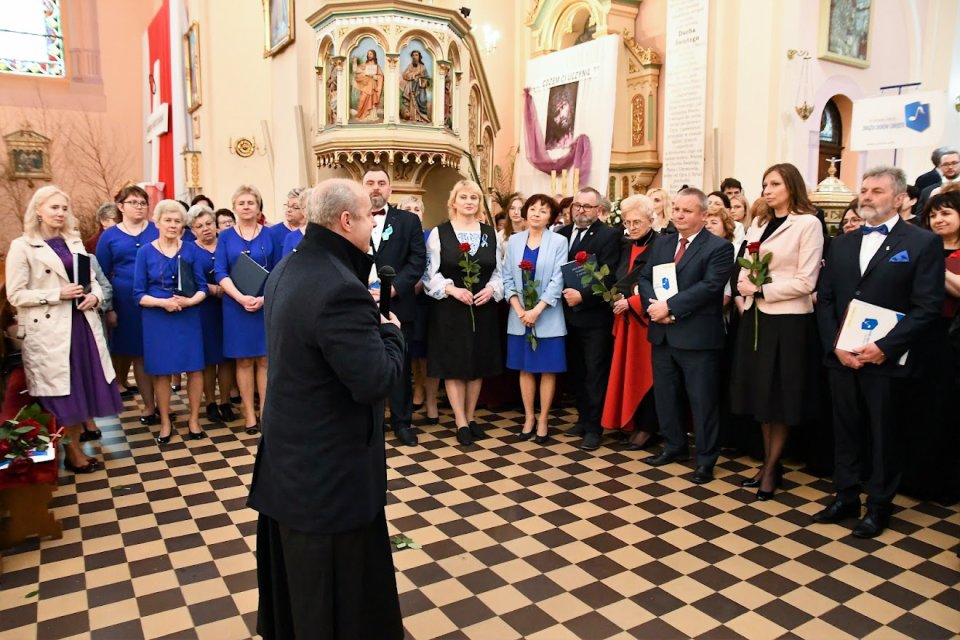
{"type": "Point", "coordinates": [903, 256]}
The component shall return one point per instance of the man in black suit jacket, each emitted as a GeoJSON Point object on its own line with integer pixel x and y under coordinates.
{"type": "Point", "coordinates": [687, 333]}
{"type": "Point", "coordinates": [397, 241]}
{"type": "Point", "coordinates": [589, 319]}
{"type": "Point", "coordinates": [948, 170]}
{"type": "Point", "coordinates": [896, 266]}
{"type": "Point", "coordinates": [933, 176]}
{"type": "Point", "coordinates": [324, 565]}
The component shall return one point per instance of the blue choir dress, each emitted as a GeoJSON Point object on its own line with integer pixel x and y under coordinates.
{"type": "Point", "coordinates": [117, 254]}
{"type": "Point", "coordinates": [244, 333]}
{"type": "Point", "coordinates": [550, 355]}
{"type": "Point", "coordinates": [172, 341]}
{"type": "Point", "coordinates": [291, 241]}
{"type": "Point", "coordinates": [211, 313]}
{"type": "Point", "coordinates": [278, 234]}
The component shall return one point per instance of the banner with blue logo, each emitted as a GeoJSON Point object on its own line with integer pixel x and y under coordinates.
{"type": "Point", "coordinates": [914, 119]}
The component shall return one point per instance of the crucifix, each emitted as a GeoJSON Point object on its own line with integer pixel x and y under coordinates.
{"type": "Point", "coordinates": [832, 171]}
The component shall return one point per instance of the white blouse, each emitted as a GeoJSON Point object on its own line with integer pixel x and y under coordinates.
{"type": "Point", "coordinates": [434, 284]}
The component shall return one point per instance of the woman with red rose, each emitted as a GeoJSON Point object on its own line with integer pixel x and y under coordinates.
{"type": "Point", "coordinates": [65, 358]}
{"type": "Point", "coordinates": [532, 282]}
{"type": "Point", "coordinates": [463, 276]}
{"type": "Point", "coordinates": [776, 366]}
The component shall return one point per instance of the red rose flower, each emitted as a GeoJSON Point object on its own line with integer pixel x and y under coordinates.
{"type": "Point", "coordinates": [30, 435]}
{"type": "Point", "coordinates": [20, 466]}
{"type": "Point", "coordinates": [581, 258]}
{"type": "Point", "coordinates": [464, 247]}
{"type": "Point", "coordinates": [955, 254]}
{"type": "Point", "coordinates": [526, 265]}
{"type": "Point", "coordinates": [4, 447]}
{"type": "Point", "coordinates": [753, 248]}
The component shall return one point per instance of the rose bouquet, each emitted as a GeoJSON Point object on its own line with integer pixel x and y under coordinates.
{"type": "Point", "coordinates": [28, 432]}
{"type": "Point", "coordinates": [471, 275]}
{"type": "Point", "coordinates": [759, 269]}
{"type": "Point", "coordinates": [530, 297]}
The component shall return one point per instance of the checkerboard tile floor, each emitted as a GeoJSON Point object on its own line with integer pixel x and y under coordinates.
{"type": "Point", "coordinates": [519, 541]}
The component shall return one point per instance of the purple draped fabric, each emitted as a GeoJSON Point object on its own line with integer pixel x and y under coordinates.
{"type": "Point", "coordinates": [578, 156]}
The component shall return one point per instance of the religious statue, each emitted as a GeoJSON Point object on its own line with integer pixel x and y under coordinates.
{"type": "Point", "coordinates": [368, 81]}
{"type": "Point", "coordinates": [415, 103]}
{"type": "Point", "coordinates": [331, 92]}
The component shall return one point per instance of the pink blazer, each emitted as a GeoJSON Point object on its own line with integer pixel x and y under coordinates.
{"type": "Point", "coordinates": [797, 248]}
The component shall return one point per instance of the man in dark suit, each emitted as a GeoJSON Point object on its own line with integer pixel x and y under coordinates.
{"type": "Point", "coordinates": [896, 266]}
{"type": "Point", "coordinates": [933, 176]}
{"type": "Point", "coordinates": [324, 565]}
{"type": "Point", "coordinates": [687, 333]}
{"type": "Point", "coordinates": [589, 319]}
{"type": "Point", "coordinates": [397, 241]}
{"type": "Point", "coordinates": [948, 170]}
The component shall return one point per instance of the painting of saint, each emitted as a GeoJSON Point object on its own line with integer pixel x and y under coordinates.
{"type": "Point", "coordinates": [332, 91]}
{"type": "Point", "coordinates": [192, 55]}
{"type": "Point", "coordinates": [561, 115]}
{"type": "Point", "coordinates": [279, 21]}
{"type": "Point", "coordinates": [416, 92]}
{"type": "Point", "coordinates": [366, 95]}
{"type": "Point", "coordinates": [448, 101]}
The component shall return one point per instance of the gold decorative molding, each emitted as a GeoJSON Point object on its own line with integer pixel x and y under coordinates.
{"type": "Point", "coordinates": [644, 55]}
{"type": "Point", "coordinates": [637, 113]}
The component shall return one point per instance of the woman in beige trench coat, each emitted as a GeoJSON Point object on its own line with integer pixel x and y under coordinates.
{"type": "Point", "coordinates": [65, 356]}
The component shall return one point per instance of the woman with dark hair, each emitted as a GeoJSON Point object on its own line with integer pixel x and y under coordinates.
{"type": "Point", "coordinates": [202, 199]}
{"type": "Point", "coordinates": [117, 254]}
{"type": "Point", "coordinates": [851, 220]}
{"type": "Point", "coordinates": [225, 219]}
{"type": "Point", "coordinates": [535, 336]}
{"type": "Point", "coordinates": [777, 340]}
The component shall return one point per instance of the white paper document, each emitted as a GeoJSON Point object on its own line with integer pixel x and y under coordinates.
{"type": "Point", "coordinates": [865, 323]}
{"type": "Point", "coordinates": [665, 280]}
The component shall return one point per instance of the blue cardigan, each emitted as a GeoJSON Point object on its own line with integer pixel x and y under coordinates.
{"type": "Point", "coordinates": [553, 254]}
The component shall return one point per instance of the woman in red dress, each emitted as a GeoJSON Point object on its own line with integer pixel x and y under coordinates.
{"type": "Point", "coordinates": [629, 406]}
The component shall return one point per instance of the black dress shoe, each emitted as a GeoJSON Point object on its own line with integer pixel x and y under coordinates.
{"type": "Point", "coordinates": [86, 436]}
{"type": "Point", "coordinates": [150, 420]}
{"type": "Point", "coordinates": [164, 439]}
{"type": "Point", "coordinates": [873, 524]}
{"type": "Point", "coordinates": [90, 467]}
{"type": "Point", "coordinates": [575, 431]}
{"type": "Point", "coordinates": [463, 436]}
{"type": "Point", "coordinates": [198, 435]}
{"type": "Point", "coordinates": [665, 457]}
{"type": "Point", "coordinates": [129, 392]}
{"type": "Point", "coordinates": [591, 442]}
{"type": "Point", "coordinates": [838, 511]}
{"type": "Point", "coordinates": [541, 440]}
{"type": "Point", "coordinates": [525, 435]}
{"type": "Point", "coordinates": [254, 430]}
{"type": "Point", "coordinates": [226, 413]}
{"type": "Point", "coordinates": [406, 436]}
{"type": "Point", "coordinates": [702, 474]}
{"type": "Point", "coordinates": [476, 431]}
{"type": "Point", "coordinates": [213, 413]}
{"type": "Point", "coordinates": [434, 420]}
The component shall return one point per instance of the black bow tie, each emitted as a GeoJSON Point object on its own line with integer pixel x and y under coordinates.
{"type": "Point", "coordinates": [380, 212]}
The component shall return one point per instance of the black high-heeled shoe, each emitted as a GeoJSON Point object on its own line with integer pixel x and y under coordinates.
{"type": "Point", "coordinates": [755, 480]}
{"type": "Point", "coordinates": [542, 439]}
{"type": "Point", "coordinates": [90, 467]}
{"type": "Point", "coordinates": [254, 430]}
{"type": "Point", "coordinates": [86, 436]}
{"type": "Point", "coordinates": [464, 437]}
{"type": "Point", "coordinates": [164, 439]}
{"type": "Point", "coordinates": [476, 431]}
{"type": "Point", "coordinates": [198, 435]}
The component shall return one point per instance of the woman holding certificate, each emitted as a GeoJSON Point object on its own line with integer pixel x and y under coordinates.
{"type": "Point", "coordinates": [243, 260]}
{"type": "Point", "coordinates": [776, 365]}
{"type": "Point", "coordinates": [169, 283]}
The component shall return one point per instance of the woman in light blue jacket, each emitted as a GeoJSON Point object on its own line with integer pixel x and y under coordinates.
{"type": "Point", "coordinates": [536, 329]}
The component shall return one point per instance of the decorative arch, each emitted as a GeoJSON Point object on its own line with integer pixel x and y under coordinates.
{"type": "Point", "coordinates": [348, 43]}
{"type": "Point", "coordinates": [453, 56]}
{"type": "Point", "coordinates": [485, 170]}
{"type": "Point", "coordinates": [324, 48]}
{"type": "Point", "coordinates": [474, 117]}
{"type": "Point", "coordinates": [428, 39]}
{"type": "Point", "coordinates": [556, 20]}
{"type": "Point", "coordinates": [328, 83]}
{"type": "Point", "coordinates": [843, 91]}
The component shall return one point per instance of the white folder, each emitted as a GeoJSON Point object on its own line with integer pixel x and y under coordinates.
{"type": "Point", "coordinates": [665, 280]}
{"type": "Point", "coordinates": [865, 323]}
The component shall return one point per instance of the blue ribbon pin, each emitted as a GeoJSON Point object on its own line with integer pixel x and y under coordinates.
{"type": "Point", "coordinates": [386, 233]}
{"type": "Point", "coordinates": [483, 240]}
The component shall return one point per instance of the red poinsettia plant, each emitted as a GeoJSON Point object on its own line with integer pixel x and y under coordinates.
{"type": "Point", "coordinates": [29, 431]}
{"type": "Point", "coordinates": [530, 297]}
{"type": "Point", "coordinates": [594, 273]}
{"type": "Point", "coordinates": [471, 275]}
{"type": "Point", "coordinates": [759, 269]}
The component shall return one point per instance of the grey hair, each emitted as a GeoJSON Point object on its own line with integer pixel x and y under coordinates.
{"type": "Point", "coordinates": [108, 210]}
{"type": "Point", "coordinates": [195, 212]}
{"type": "Point", "coordinates": [699, 195]}
{"type": "Point", "coordinates": [606, 205]}
{"type": "Point", "coordinates": [896, 175]}
{"type": "Point", "coordinates": [304, 196]}
{"type": "Point", "coordinates": [331, 198]}
{"type": "Point", "coordinates": [637, 201]}
{"type": "Point", "coordinates": [295, 192]}
{"type": "Point", "coordinates": [169, 206]}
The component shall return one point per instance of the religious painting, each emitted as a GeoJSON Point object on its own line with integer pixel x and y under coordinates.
{"type": "Point", "coordinates": [448, 100]}
{"type": "Point", "coordinates": [278, 26]}
{"type": "Point", "coordinates": [332, 90]}
{"type": "Point", "coordinates": [191, 59]}
{"type": "Point", "coordinates": [416, 88]}
{"type": "Point", "coordinates": [845, 31]}
{"type": "Point", "coordinates": [561, 115]}
{"type": "Point", "coordinates": [29, 155]}
{"type": "Point", "coordinates": [366, 81]}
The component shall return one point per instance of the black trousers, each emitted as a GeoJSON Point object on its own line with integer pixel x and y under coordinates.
{"type": "Point", "coordinates": [697, 372]}
{"type": "Point", "coordinates": [333, 586]}
{"type": "Point", "coordinates": [865, 434]}
{"type": "Point", "coordinates": [589, 353]}
{"type": "Point", "coordinates": [401, 396]}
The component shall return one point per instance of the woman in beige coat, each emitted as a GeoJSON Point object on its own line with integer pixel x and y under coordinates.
{"type": "Point", "coordinates": [65, 356]}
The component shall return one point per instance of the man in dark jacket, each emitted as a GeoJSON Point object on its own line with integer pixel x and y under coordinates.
{"type": "Point", "coordinates": [324, 565]}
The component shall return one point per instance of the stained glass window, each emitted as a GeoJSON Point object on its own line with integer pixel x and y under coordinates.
{"type": "Point", "coordinates": [31, 38]}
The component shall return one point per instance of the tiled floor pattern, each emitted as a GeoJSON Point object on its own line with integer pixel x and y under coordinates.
{"type": "Point", "coordinates": [519, 541]}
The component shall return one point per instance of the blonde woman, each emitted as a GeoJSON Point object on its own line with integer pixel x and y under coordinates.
{"type": "Point", "coordinates": [65, 356]}
{"type": "Point", "coordinates": [244, 334]}
{"type": "Point", "coordinates": [661, 211]}
{"type": "Point", "coordinates": [740, 209]}
{"type": "Point", "coordinates": [464, 334]}
{"type": "Point", "coordinates": [514, 223]}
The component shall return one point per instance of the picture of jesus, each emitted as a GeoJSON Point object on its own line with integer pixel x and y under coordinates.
{"type": "Point", "coordinates": [367, 84]}
{"type": "Point", "coordinates": [561, 116]}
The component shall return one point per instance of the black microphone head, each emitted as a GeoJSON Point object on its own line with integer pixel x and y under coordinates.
{"type": "Point", "coordinates": [386, 271]}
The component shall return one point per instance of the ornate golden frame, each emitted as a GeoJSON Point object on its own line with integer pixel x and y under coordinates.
{"type": "Point", "coordinates": [190, 70]}
{"type": "Point", "coordinates": [270, 49]}
{"type": "Point", "coordinates": [824, 52]}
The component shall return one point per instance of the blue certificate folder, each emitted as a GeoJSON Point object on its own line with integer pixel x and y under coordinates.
{"type": "Point", "coordinates": [37, 456]}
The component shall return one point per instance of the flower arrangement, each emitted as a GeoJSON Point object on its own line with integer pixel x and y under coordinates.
{"type": "Point", "coordinates": [471, 275]}
{"type": "Point", "coordinates": [28, 432]}
{"type": "Point", "coordinates": [615, 216]}
{"type": "Point", "coordinates": [597, 274]}
{"type": "Point", "coordinates": [530, 297]}
{"type": "Point", "coordinates": [759, 269]}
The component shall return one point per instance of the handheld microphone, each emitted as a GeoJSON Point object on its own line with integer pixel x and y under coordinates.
{"type": "Point", "coordinates": [387, 274]}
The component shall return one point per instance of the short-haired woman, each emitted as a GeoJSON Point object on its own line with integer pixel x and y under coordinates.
{"type": "Point", "coordinates": [218, 368]}
{"type": "Point", "coordinates": [294, 219]}
{"type": "Point", "coordinates": [464, 337]}
{"type": "Point", "coordinates": [117, 253]}
{"type": "Point", "coordinates": [536, 255]}
{"type": "Point", "coordinates": [244, 333]}
{"type": "Point", "coordinates": [225, 219]}
{"type": "Point", "coordinates": [64, 351]}
{"type": "Point", "coordinates": [172, 332]}
{"type": "Point", "coordinates": [294, 237]}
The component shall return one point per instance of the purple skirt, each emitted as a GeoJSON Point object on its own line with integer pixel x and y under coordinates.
{"type": "Point", "coordinates": [91, 396]}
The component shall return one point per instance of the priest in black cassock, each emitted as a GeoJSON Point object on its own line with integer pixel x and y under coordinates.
{"type": "Point", "coordinates": [324, 566]}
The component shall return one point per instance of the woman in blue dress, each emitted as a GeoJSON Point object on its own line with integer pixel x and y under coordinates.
{"type": "Point", "coordinates": [293, 220]}
{"type": "Point", "coordinates": [172, 333]}
{"type": "Point", "coordinates": [218, 369]}
{"type": "Point", "coordinates": [117, 253]}
{"type": "Point", "coordinates": [536, 255]}
{"type": "Point", "coordinates": [244, 333]}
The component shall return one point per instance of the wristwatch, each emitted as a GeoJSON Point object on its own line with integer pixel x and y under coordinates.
{"type": "Point", "coordinates": [673, 318]}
